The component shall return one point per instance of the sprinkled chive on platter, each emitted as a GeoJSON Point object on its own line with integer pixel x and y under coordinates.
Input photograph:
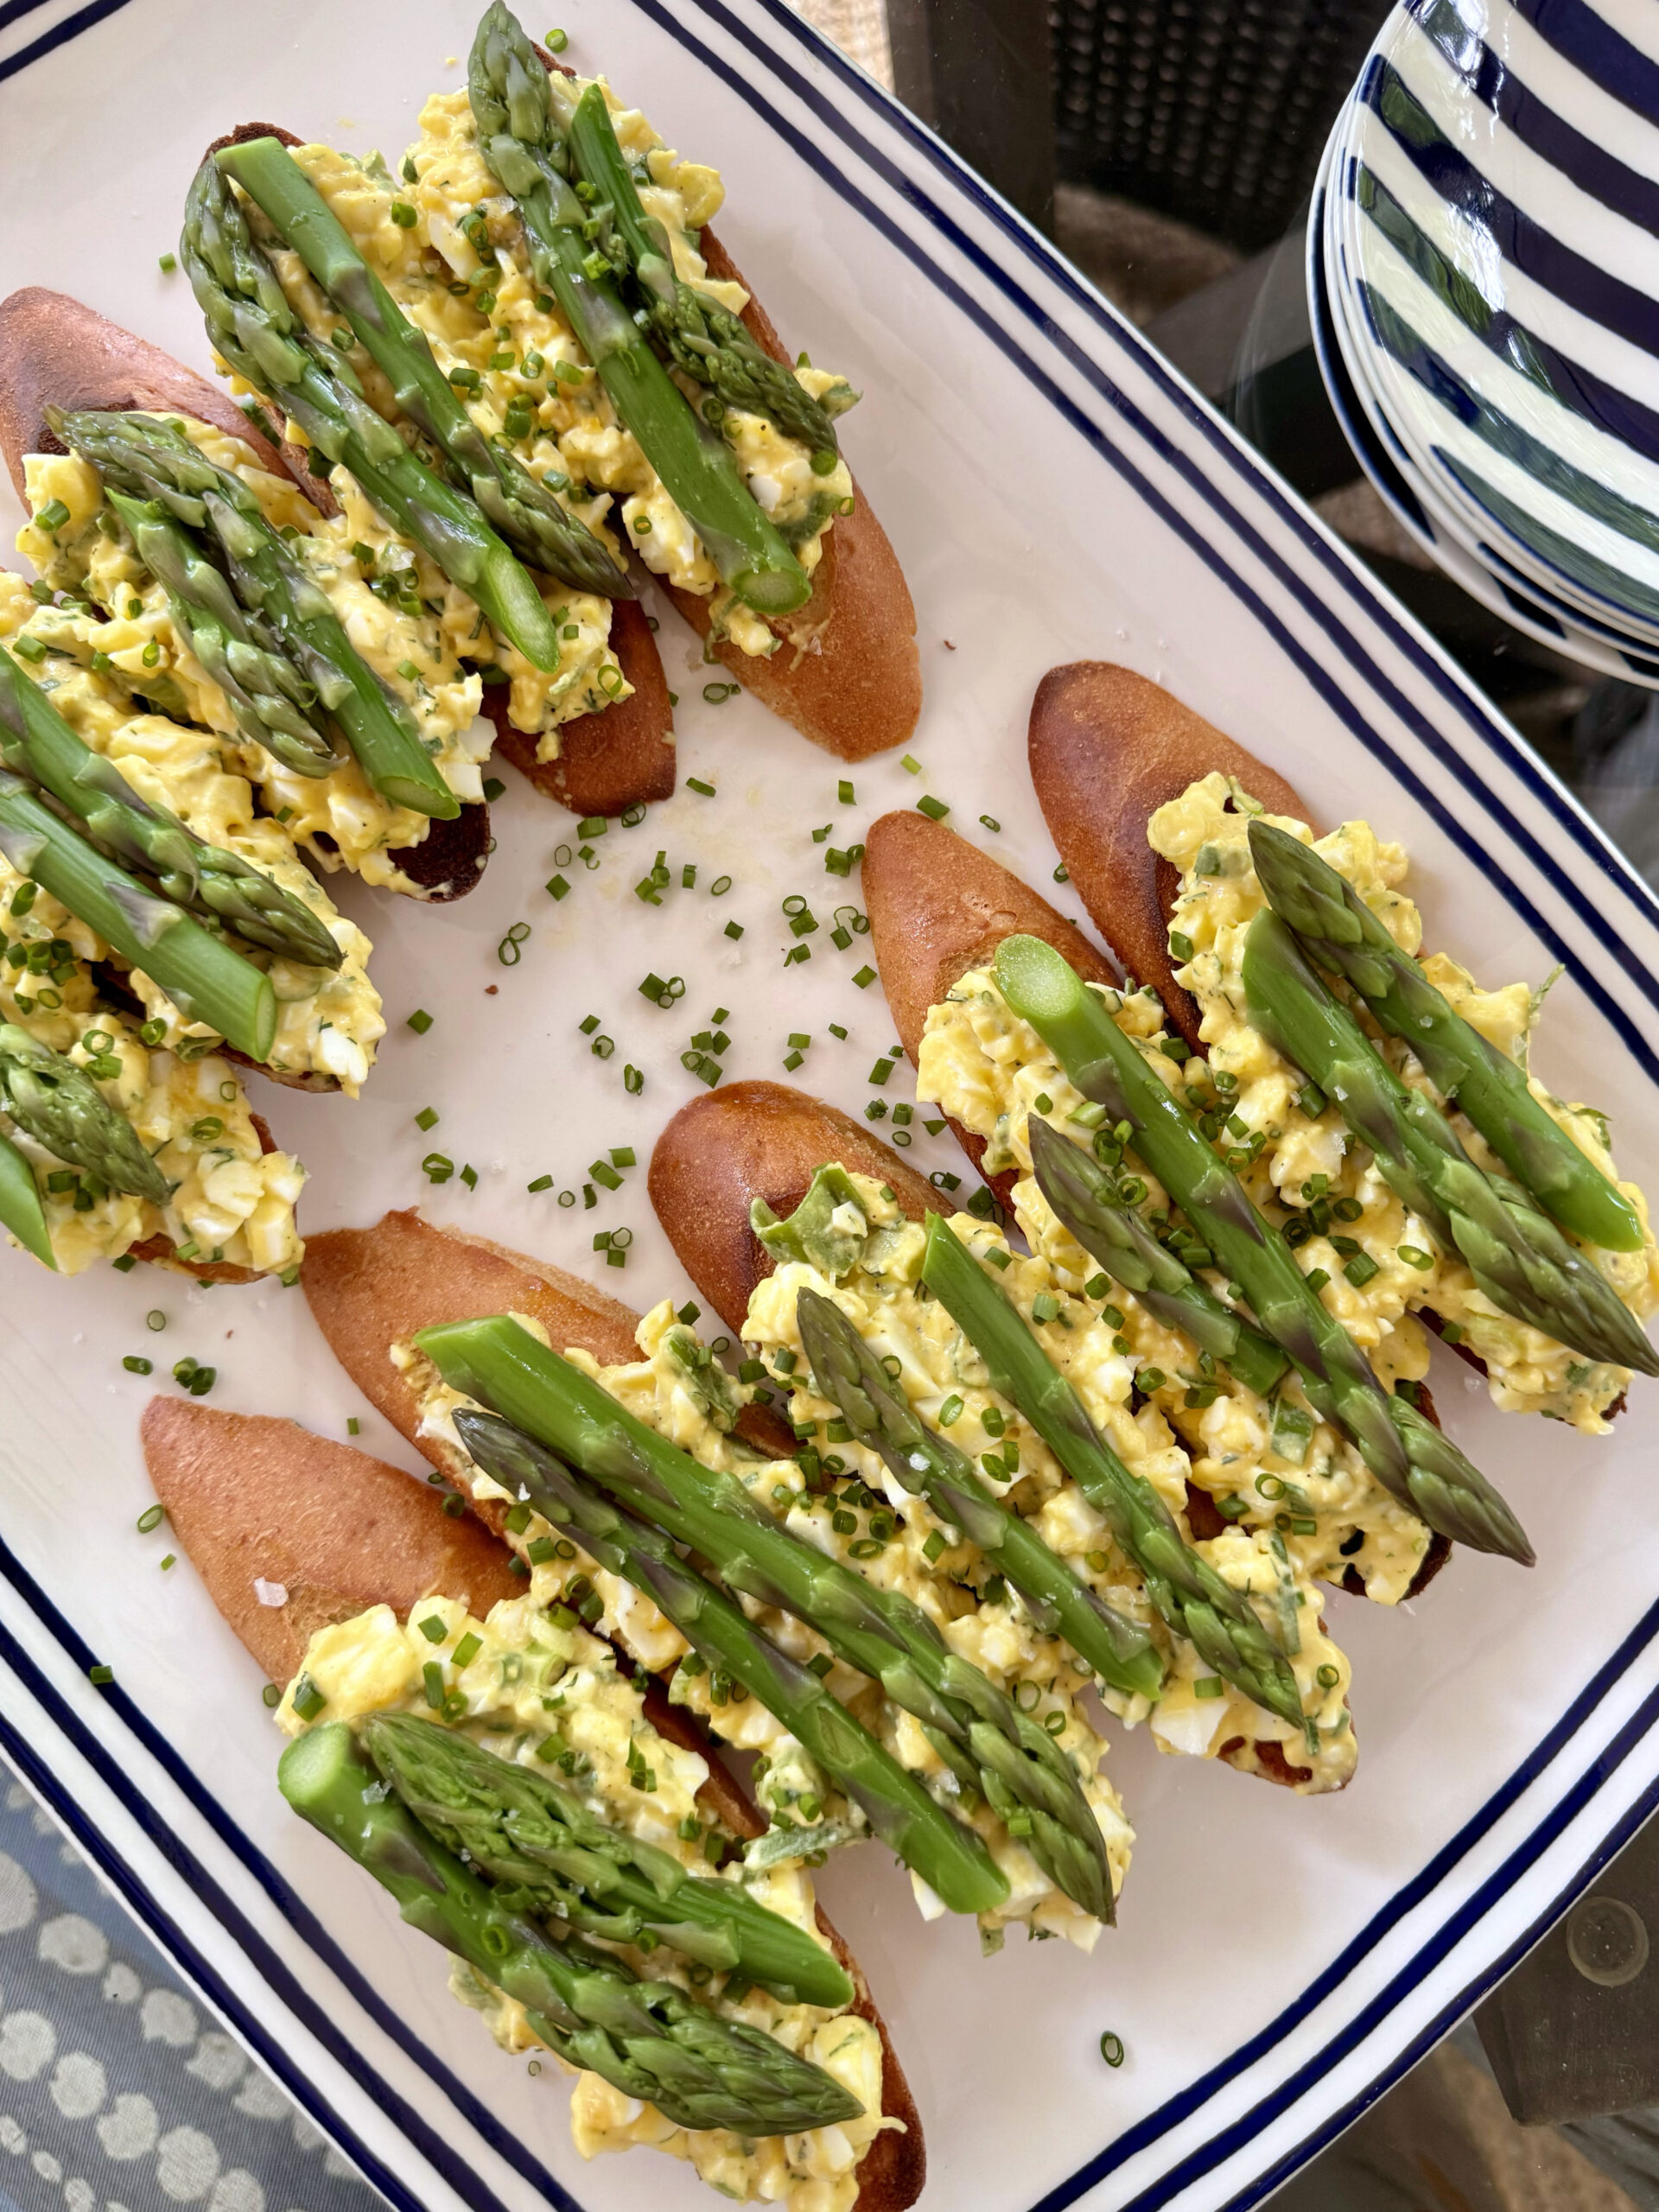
{"type": "Point", "coordinates": [1053, 494]}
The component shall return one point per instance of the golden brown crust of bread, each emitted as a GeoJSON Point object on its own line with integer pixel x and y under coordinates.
{"type": "Point", "coordinates": [1107, 748]}
{"type": "Point", "coordinates": [622, 756]}
{"type": "Point", "coordinates": [55, 352]}
{"type": "Point", "coordinates": [748, 1141]}
{"type": "Point", "coordinates": [250, 1497]}
{"type": "Point", "coordinates": [939, 907]}
{"type": "Point", "coordinates": [370, 1287]}
{"type": "Point", "coordinates": [861, 691]}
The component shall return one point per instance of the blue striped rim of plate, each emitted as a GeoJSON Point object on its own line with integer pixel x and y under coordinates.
{"type": "Point", "coordinates": [1480, 571]}
{"type": "Point", "coordinates": [1501, 192]}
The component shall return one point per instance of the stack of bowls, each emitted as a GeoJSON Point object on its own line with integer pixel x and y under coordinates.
{"type": "Point", "coordinates": [1484, 280]}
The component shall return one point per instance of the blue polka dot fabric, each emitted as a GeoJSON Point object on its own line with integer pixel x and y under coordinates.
{"type": "Point", "coordinates": [118, 2091]}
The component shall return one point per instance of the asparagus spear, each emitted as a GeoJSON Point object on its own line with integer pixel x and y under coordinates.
{"type": "Point", "coordinates": [519, 138]}
{"type": "Point", "coordinates": [205, 979]}
{"type": "Point", "coordinates": [647, 2038]}
{"type": "Point", "coordinates": [987, 1742]}
{"type": "Point", "coordinates": [254, 329]}
{"type": "Point", "coordinates": [1340, 931]}
{"type": "Point", "coordinates": [1218, 1621]}
{"type": "Point", "coordinates": [60, 1107]}
{"type": "Point", "coordinates": [1404, 1449]}
{"type": "Point", "coordinates": [526, 512]}
{"type": "Point", "coordinates": [217, 885]}
{"type": "Point", "coordinates": [268, 698]}
{"type": "Point", "coordinates": [1083, 1199]}
{"type": "Point", "coordinates": [847, 1372]}
{"type": "Point", "coordinates": [700, 338]}
{"type": "Point", "coordinates": [1516, 1253]}
{"type": "Point", "coordinates": [950, 1858]}
{"type": "Point", "coordinates": [536, 1840]}
{"type": "Point", "coordinates": [21, 1211]}
{"type": "Point", "coordinates": [153, 461]}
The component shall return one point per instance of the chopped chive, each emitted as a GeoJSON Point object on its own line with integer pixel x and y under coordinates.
{"type": "Point", "coordinates": [354, 1426]}
{"type": "Point", "coordinates": [935, 809]}
{"type": "Point", "coordinates": [420, 1021]}
{"type": "Point", "coordinates": [308, 1700]}
{"type": "Point", "coordinates": [558, 887]}
{"type": "Point", "coordinates": [864, 978]}
{"type": "Point", "coordinates": [168, 264]}
{"type": "Point", "coordinates": [427, 1118]}
{"type": "Point", "coordinates": [696, 784]}
{"type": "Point", "coordinates": [990, 822]}
{"type": "Point", "coordinates": [542, 1183]}
{"type": "Point", "coordinates": [734, 930]}
{"type": "Point", "coordinates": [1208, 1686]}
{"type": "Point", "coordinates": [911, 763]}
{"type": "Point", "coordinates": [494, 788]}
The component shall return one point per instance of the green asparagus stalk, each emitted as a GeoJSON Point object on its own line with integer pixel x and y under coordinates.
{"type": "Point", "coordinates": [1218, 1621]}
{"type": "Point", "coordinates": [1084, 1201]}
{"type": "Point", "coordinates": [647, 2038]}
{"type": "Point", "coordinates": [153, 461]}
{"type": "Point", "coordinates": [216, 885]}
{"type": "Point", "coordinates": [21, 1211]}
{"type": "Point", "coordinates": [1117, 1649]}
{"type": "Point", "coordinates": [534, 1839]}
{"type": "Point", "coordinates": [268, 698]}
{"type": "Point", "coordinates": [699, 337]}
{"type": "Point", "coordinates": [526, 512]}
{"type": "Point", "coordinates": [950, 1858]}
{"type": "Point", "coordinates": [1516, 1253]}
{"type": "Point", "coordinates": [988, 1743]}
{"type": "Point", "coordinates": [206, 980]}
{"type": "Point", "coordinates": [60, 1107]}
{"type": "Point", "coordinates": [520, 139]}
{"type": "Point", "coordinates": [253, 327]}
{"type": "Point", "coordinates": [1339, 930]}
{"type": "Point", "coordinates": [1403, 1449]}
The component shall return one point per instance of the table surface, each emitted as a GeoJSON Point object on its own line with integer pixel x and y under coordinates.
{"type": "Point", "coordinates": [119, 2093]}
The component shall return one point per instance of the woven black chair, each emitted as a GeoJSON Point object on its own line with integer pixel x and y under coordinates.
{"type": "Point", "coordinates": [1213, 111]}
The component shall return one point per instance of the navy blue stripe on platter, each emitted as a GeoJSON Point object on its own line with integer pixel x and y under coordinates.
{"type": "Point", "coordinates": [1314, 596]}
{"type": "Point", "coordinates": [1323, 596]}
{"type": "Point", "coordinates": [1526, 608]}
{"type": "Point", "coordinates": [1591, 43]}
{"type": "Point", "coordinates": [1550, 136]}
{"type": "Point", "coordinates": [60, 34]}
{"type": "Point", "coordinates": [430, 2140]}
{"type": "Point", "coordinates": [1596, 577]}
{"type": "Point", "coordinates": [1429, 369]}
{"type": "Point", "coordinates": [1619, 413]}
{"type": "Point", "coordinates": [1523, 242]}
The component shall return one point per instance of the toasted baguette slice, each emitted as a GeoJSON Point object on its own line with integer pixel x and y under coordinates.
{"type": "Point", "coordinates": [255, 1499]}
{"type": "Point", "coordinates": [54, 352]}
{"type": "Point", "coordinates": [764, 1139]}
{"type": "Point", "coordinates": [368, 1287]}
{"type": "Point", "coordinates": [939, 907]}
{"type": "Point", "coordinates": [858, 690]}
{"type": "Point", "coordinates": [757, 1140]}
{"type": "Point", "coordinates": [1108, 748]}
{"type": "Point", "coordinates": [618, 757]}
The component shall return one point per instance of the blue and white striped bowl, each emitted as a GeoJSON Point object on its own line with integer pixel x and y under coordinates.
{"type": "Point", "coordinates": [1494, 208]}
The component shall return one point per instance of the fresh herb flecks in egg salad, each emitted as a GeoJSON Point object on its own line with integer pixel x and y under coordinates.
{"type": "Point", "coordinates": [535, 1684]}
{"type": "Point", "coordinates": [445, 241]}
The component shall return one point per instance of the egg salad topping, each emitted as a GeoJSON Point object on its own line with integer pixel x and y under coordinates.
{"type": "Point", "coordinates": [1204, 833]}
{"type": "Point", "coordinates": [532, 1684]}
{"type": "Point", "coordinates": [851, 1242]}
{"type": "Point", "coordinates": [682, 1392]}
{"type": "Point", "coordinates": [459, 271]}
{"type": "Point", "coordinates": [329, 1020]}
{"type": "Point", "coordinates": [232, 1201]}
{"type": "Point", "coordinates": [118, 622]}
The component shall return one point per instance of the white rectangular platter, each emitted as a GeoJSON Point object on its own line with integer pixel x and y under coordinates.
{"type": "Point", "coordinates": [1053, 493]}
